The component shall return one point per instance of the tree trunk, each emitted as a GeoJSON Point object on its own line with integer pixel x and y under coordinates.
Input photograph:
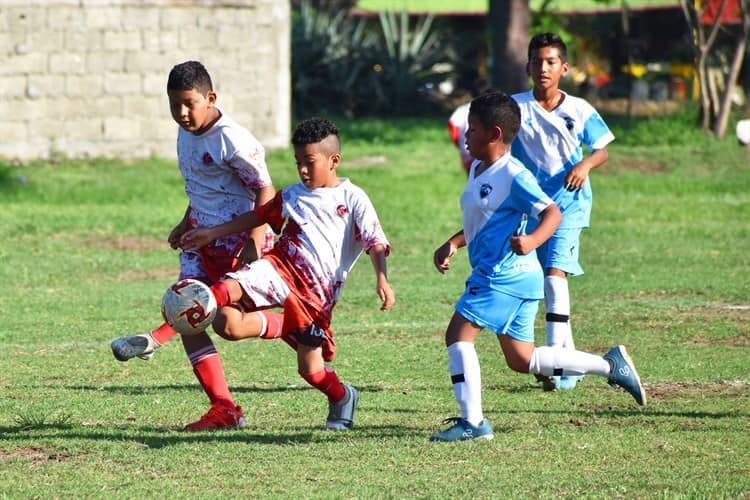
{"type": "Point", "coordinates": [509, 22]}
{"type": "Point", "coordinates": [722, 120]}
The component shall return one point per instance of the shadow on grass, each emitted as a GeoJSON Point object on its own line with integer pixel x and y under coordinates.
{"type": "Point", "coordinates": [149, 389]}
{"type": "Point", "coordinates": [149, 437]}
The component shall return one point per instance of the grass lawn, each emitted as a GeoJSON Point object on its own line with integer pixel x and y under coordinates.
{"type": "Point", "coordinates": [85, 260]}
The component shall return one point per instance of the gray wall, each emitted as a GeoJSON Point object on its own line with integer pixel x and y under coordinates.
{"type": "Point", "coordinates": [87, 78]}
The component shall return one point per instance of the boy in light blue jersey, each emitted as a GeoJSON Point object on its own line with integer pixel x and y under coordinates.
{"type": "Point", "coordinates": [554, 128]}
{"type": "Point", "coordinates": [503, 291]}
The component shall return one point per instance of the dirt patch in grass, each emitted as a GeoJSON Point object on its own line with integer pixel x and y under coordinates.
{"type": "Point", "coordinates": [636, 165]}
{"type": "Point", "coordinates": [661, 314]}
{"type": "Point", "coordinates": [37, 456]}
{"type": "Point", "coordinates": [734, 389]}
{"type": "Point", "coordinates": [365, 162]}
{"type": "Point", "coordinates": [149, 274]}
{"type": "Point", "coordinates": [125, 243]}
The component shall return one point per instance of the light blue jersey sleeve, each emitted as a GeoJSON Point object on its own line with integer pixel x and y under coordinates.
{"type": "Point", "coordinates": [550, 144]}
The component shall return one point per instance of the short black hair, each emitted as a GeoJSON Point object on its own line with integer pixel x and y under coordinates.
{"type": "Point", "coordinates": [497, 108]}
{"type": "Point", "coordinates": [314, 130]}
{"type": "Point", "coordinates": [190, 75]}
{"type": "Point", "coordinates": [548, 40]}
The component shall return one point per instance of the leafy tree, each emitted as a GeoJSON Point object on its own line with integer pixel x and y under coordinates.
{"type": "Point", "coordinates": [716, 102]}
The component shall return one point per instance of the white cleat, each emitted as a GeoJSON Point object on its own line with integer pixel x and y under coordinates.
{"type": "Point", "coordinates": [141, 346]}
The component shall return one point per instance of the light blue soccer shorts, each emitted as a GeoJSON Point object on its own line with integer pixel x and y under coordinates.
{"type": "Point", "coordinates": [497, 311]}
{"type": "Point", "coordinates": [561, 251]}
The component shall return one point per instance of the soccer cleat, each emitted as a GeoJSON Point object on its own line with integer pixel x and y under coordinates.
{"type": "Point", "coordinates": [341, 413]}
{"type": "Point", "coordinates": [548, 383]}
{"type": "Point", "coordinates": [219, 417]}
{"type": "Point", "coordinates": [623, 373]}
{"type": "Point", "coordinates": [142, 346]}
{"type": "Point", "coordinates": [463, 430]}
{"type": "Point", "coordinates": [567, 382]}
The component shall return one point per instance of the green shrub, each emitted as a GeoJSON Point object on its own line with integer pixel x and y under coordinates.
{"type": "Point", "coordinates": [359, 66]}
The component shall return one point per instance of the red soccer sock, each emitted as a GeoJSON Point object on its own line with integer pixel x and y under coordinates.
{"type": "Point", "coordinates": [327, 382]}
{"type": "Point", "coordinates": [163, 333]}
{"type": "Point", "coordinates": [274, 322]}
{"type": "Point", "coordinates": [221, 293]}
{"type": "Point", "coordinates": [210, 373]}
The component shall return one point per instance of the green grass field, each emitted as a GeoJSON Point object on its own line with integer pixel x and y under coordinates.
{"type": "Point", "coordinates": [667, 266]}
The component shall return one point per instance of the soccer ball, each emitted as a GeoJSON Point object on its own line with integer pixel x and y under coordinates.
{"type": "Point", "coordinates": [743, 132]}
{"type": "Point", "coordinates": [188, 306]}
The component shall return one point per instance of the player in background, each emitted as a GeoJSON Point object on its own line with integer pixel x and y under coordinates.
{"type": "Point", "coordinates": [503, 291]}
{"type": "Point", "coordinates": [327, 223]}
{"type": "Point", "coordinates": [225, 175]}
{"type": "Point", "coordinates": [458, 121]}
{"type": "Point", "coordinates": [554, 128]}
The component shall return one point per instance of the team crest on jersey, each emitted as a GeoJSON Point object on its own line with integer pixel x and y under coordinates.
{"type": "Point", "coordinates": [569, 123]}
{"type": "Point", "coordinates": [485, 190]}
{"type": "Point", "coordinates": [207, 159]}
{"type": "Point", "coordinates": [342, 210]}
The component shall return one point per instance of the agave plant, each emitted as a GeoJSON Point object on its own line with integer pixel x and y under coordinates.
{"type": "Point", "coordinates": [325, 61]}
{"type": "Point", "coordinates": [350, 65]}
{"type": "Point", "coordinates": [406, 59]}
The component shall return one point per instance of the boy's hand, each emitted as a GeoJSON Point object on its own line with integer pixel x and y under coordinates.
{"type": "Point", "coordinates": [576, 178]}
{"type": "Point", "coordinates": [196, 238]}
{"type": "Point", "coordinates": [249, 253]}
{"type": "Point", "coordinates": [385, 293]}
{"type": "Point", "coordinates": [522, 244]}
{"type": "Point", "coordinates": [176, 235]}
{"type": "Point", "coordinates": [442, 257]}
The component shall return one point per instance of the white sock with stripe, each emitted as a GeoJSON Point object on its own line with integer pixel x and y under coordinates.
{"type": "Point", "coordinates": [463, 365]}
{"type": "Point", "coordinates": [557, 304]}
{"type": "Point", "coordinates": [556, 361]}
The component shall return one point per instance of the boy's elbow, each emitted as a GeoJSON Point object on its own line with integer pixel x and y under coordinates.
{"type": "Point", "coordinates": [553, 214]}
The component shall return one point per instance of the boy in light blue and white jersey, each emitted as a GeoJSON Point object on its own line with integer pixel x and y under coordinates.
{"type": "Point", "coordinates": [503, 291]}
{"type": "Point", "coordinates": [554, 128]}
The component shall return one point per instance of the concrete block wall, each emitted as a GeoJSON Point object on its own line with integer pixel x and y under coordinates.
{"type": "Point", "coordinates": [87, 78]}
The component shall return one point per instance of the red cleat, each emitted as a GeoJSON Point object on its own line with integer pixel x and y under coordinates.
{"type": "Point", "coordinates": [219, 417]}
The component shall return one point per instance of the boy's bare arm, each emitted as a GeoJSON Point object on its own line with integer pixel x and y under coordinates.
{"type": "Point", "coordinates": [202, 236]}
{"type": "Point", "coordinates": [550, 218]}
{"type": "Point", "coordinates": [578, 174]}
{"type": "Point", "coordinates": [384, 290]}
{"type": "Point", "coordinates": [257, 235]}
{"type": "Point", "coordinates": [442, 256]}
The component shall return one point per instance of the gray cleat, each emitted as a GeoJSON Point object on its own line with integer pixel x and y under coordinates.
{"type": "Point", "coordinates": [341, 413]}
{"type": "Point", "coordinates": [142, 346]}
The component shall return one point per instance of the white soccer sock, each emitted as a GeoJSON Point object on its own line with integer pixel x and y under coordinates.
{"type": "Point", "coordinates": [263, 324]}
{"type": "Point", "coordinates": [557, 304]}
{"type": "Point", "coordinates": [557, 361]}
{"type": "Point", "coordinates": [463, 365]}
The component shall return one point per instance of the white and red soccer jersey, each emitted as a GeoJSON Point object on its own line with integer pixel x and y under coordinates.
{"type": "Point", "coordinates": [326, 231]}
{"type": "Point", "coordinates": [221, 168]}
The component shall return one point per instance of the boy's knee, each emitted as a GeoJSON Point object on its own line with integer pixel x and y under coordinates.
{"type": "Point", "coordinates": [223, 326]}
{"type": "Point", "coordinates": [518, 365]}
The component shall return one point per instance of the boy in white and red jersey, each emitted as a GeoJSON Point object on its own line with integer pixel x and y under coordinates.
{"type": "Point", "coordinates": [327, 223]}
{"type": "Point", "coordinates": [554, 128]}
{"type": "Point", "coordinates": [225, 175]}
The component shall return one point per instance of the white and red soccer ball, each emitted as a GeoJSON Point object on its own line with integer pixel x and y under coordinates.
{"type": "Point", "coordinates": [188, 306]}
